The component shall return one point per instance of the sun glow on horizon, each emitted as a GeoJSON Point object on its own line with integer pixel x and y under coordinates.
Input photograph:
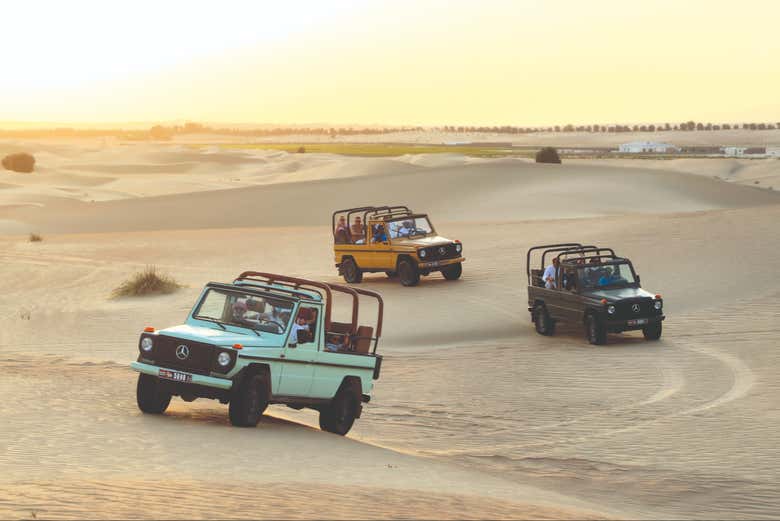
{"type": "Point", "coordinates": [402, 62]}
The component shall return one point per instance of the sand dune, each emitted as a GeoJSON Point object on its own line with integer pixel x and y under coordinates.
{"type": "Point", "coordinates": [515, 190]}
{"type": "Point", "coordinates": [475, 414]}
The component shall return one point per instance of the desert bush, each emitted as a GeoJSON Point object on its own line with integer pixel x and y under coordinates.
{"type": "Point", "coordinates": [34, 237]}
{"type": "Point", "coordinates": [21, 162]}
{"type": "Point", "coordinates": [147, 282]}
{"type": "Point", "coordinates": [301, 150]}
{"type": "Point", "coordinates": [548, 155]}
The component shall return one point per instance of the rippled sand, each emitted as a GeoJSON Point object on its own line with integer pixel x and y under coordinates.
{"type": "Point", "coordinates": [475, 415]}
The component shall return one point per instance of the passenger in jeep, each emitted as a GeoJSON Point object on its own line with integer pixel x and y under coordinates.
{"type": "Point", "coordinates": [341, 233]}
{"type": "Point", "coordinates": [335, 342]}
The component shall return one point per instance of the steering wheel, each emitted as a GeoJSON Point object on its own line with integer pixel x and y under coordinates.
{"type": "Point", "coordinates": [279, 326]}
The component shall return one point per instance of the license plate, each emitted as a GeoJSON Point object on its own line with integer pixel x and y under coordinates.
{"type": "Point", "coordinates": [637, 322]}
{"type": "Point", "coordinates": [176, 376]}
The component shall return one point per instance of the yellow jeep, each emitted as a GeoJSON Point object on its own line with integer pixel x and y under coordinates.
{"type": "Point", "coordinates": [394, 240]}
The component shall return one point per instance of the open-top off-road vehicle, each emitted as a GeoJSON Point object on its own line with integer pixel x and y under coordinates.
{"type": "Point", "coordinates": [393, 240]}
{"type": "Point", "coordinates": [593, 286]}
{"type": "Point", "coordinates": [265, 339]}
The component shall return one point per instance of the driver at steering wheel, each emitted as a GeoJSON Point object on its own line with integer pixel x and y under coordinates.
{"type": "Point", "coordinates": [407, 227]}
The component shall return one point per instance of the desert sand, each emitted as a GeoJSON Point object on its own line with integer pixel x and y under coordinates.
{"type": "Point", "coordinates": [475, 414]}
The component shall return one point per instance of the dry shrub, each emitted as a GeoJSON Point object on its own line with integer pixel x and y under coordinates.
{"type": "Point", "coordinates": [548, 155]}
{"type": "Point", "coordinates": [34, 237]}
{"type": "Point", "coordinates": [146, 282]}
{"type": "Point", "coordinates": [21, 162]}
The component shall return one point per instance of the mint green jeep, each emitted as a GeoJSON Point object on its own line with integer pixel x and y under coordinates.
{"type": "Point", "coordinates": [265, 339]}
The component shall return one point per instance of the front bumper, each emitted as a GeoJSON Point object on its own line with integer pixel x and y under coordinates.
{"type": "Point", "coordinates": [439, 263]}
{"type": "Point", "coordinates": [618, 326]}
{"type": "Point", "coordinates": [197, 379]}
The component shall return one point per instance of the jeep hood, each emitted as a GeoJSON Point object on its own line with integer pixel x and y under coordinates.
{"type": "Point", "coordinates": [219, 337]}
{"type": "Point", "coordinates": [422, 242]}
{"type": "Point", "coordinates": [615, 294]}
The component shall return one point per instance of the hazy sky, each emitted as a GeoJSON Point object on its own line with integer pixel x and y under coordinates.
{"type": "Point", "coordinates": [521, 62]}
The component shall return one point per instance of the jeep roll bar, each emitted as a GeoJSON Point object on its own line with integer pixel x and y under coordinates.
{"type": "Point", "coordinates": [294, 284]}
{"type": "Point", "coordinates": [548, 248]}
{"type": "Point", "coordinates": [380, 310]}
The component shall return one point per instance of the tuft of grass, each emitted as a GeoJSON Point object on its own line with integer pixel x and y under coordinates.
{"type": "Point", "coordinates": [34, 237]}
{"type": "Point", "coordinates": [147, 282]}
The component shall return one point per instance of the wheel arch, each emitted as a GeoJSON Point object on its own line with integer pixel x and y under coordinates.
{"type": "Point", "coordinates": [252, 369]}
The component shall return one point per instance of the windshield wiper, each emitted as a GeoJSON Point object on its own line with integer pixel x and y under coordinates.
{"type": "Point", "coordinates": [220, 325]}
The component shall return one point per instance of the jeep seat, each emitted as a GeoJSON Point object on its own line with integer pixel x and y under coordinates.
{"type": "Point", "coordinates": [362, 340]}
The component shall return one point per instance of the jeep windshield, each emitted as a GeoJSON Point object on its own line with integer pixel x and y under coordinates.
{"type": "Point", "coordinates": [409, 227]}
{"type": "Point", "coordinates": [607, 275]}
{"type": "Point", "coordinates": [236, 308]}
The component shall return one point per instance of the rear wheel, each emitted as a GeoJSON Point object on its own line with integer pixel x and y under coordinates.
{"type": "Point", "coordinates": [653, 331]}
{"type": "Point", "coordinates": [595, 331]}
{"type": "Point", "coordinates": [351, 272]}
{"type": "Point", "coordinates": [408, 272]}
{"type": "Point", "coordinates": [453, 271]}
{"type": "Point", "coordinates": [339, 416]}
{"type": "Point", "coordinates": [248, 402]}
{"type": "Point", "coordinates": [542, 321]}
{"type": "Point", "coordinates": [151, 398]}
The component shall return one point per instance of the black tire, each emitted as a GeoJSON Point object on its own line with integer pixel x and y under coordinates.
{"type": "Point", "coordinates": [408, 273]}
{"type": "Point", "coordinates": [391, 274]}
{"type": "Point", "coordinates": [248, 402]}
{"type": "Point", "coordinates": [339, 416]}
{"type": "Point", "coordinates": [595, 331]}
{"type": "Point", "coordinates": [351, 272]}
{"type": "Point", "coordinates": [151, 398]}
{"type": "Point", "coordinates": [543, 323]}
{"type": "Point", "coordinates": [653, 331]}
{"type": "Point", "coordinates": [453, 271]}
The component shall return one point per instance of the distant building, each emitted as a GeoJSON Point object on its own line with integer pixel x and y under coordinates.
{"type": "Point", "coordinates": [734, 151]}
{"type": "Point", "coordinates": [745, 151]}
{"type": "Point", "coordinates": [646, 147]}
{"type": "Point", "coordinates": [773, 151]}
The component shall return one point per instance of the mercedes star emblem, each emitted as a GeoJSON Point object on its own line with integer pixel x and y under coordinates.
{"type": "Point", "coordinates": [635, 307]}
{"type": "Point", "coordinates": [182, 352]}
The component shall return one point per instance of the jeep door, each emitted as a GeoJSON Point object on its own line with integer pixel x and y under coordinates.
{"type": "Point", "coordinates": [298, 360]}
{"type": "Point", "coordinates": [379, 255]}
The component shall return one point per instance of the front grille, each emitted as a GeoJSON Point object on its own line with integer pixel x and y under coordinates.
{"type": "Point", "coordinates": [624, 309]}
{"type": "Point", "coordinates": [199, 361]}
{"type": "Point", "coordinates": [445, 251]}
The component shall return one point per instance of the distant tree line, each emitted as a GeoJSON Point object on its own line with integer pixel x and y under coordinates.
{"type": "Point", "coordinates": [686, 126]}
{"type": "Point", "coordinates": [165, 132]}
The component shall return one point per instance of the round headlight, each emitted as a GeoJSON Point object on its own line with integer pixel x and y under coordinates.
{"type": "Point", "coordinates": [147, 344]}
{"type": "Point", "coordinates": [658, 304]}
{"type": "Point", "coordinates": [611, 310]}
{"type": "Point", "coordinates": [458, 247]}
{"type": "Point", "coordinates": [422, 254]}
{"type": "Point", "coordinates": [223, 359]}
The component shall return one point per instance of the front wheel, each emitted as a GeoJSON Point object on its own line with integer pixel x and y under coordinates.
{"type": "Point", "coordinates": [453, 271]}
{"type": "Point", "coordinates": [595, 331]}
{"type": "Point", "coordinates": [408, 272]}
{"type": "Point", "coordinates": [351, 272]}
{"type": "Point", "coordinates": [339, 416]}
{"type": "Point", "coordinates": [248, 402]}
{"type": "Point", "coordinates": [653, 331]}
{"type": "Point", "coordinates": [151, 398]}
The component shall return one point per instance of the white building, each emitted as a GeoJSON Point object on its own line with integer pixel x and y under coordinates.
{"type": "Point", "coordinates": [734, 151]}
{"type": "Point", "coordinates": [639, 147]}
